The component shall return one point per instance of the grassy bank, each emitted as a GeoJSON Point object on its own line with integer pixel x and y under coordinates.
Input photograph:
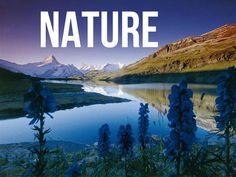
{"type": "Point", "coordinates": [199, 77]}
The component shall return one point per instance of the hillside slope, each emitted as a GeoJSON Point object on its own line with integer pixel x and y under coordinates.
{"type": "Point", "coordinates": [6, 75]}
{"type": "Point", "coordinates": [215, 50]}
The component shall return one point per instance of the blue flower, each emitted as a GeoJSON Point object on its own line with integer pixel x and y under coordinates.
{"type": "Point", "coordinates": [125, 140]}
{"type": "Point", "coordinates": [38, 100]}
{"type": "Point", "coordinates": [143, 125]}
{"type": "Point", "coordinates": [181, 121]}
{"type": "Point", "coordinates": [104, 141]}
{"type": "Point", "coordinates": [226, 100]}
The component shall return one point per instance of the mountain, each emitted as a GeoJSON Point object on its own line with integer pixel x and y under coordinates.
{"type": "Point", "coordinates": [85, 68]}
{"type": "Point", "coordinates": [112, 67]}
{"type": "Point", "coordinates": [215, 50]}
{"type": "Point", "coordinates": [107, 68]}
{"type": "Point", "coordinates": [48, 68]}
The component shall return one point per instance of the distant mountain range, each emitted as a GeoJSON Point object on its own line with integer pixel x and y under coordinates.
{"type": "Point", "coordinates": [215, 50]}
{"type": "Point", "coordinates": [51, 68]}
{"type": "Point", "coordinates": [107, 68]}
{"type": "Point", "coordinates": [48, 68]}
{"type": "Point", "coordinates": [212, 51]}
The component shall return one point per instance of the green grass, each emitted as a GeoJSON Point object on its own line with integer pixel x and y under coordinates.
{"type": "Point", "coordinates": [207, 52]}
{"type": "Point", "coordinates": [202, 161]}
{"type": "Point", "coordinates": [203, 77]}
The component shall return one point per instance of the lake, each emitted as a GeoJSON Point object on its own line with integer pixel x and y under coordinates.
{"type": "Point", "coordinates": [81, 124]}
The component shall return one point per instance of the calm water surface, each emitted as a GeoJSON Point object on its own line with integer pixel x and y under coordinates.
{"type": "Point", "coordinates": [81, 124]}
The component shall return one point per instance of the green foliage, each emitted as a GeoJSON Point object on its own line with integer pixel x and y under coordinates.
{"type": "Point", "coordinates": [202, 162]}
{"type": "Point", "coordinates": [104, 167]}
{"type": "Point", "coordinates": [57, 163]}
{"type": "Point", "coordinates": [158, 165]}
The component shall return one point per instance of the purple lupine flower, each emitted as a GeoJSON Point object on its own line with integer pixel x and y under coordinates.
{"type": "Point", "coordinates": [181, 121]}
{"type": "Point", "coordinates": [38, 100]}
{"type": "Point", "coordinates": [104, 141]}
{"type": "Point", "coordinates": [125, 140]}
{"type": "Point", "coordinates": [226, 100]}
{"type": "Point", "coordinates": [143, 125]}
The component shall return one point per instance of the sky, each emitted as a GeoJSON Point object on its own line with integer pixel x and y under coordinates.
{"type": "Point", "coordinates": [20, 27]}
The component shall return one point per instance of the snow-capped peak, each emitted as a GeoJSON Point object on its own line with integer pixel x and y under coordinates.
{"type": "Point", "coordinates": [109, 67]}
{"type": "Point", "coordinates": [48, 68]}
{"type": "Point", "coordinates": [86, 67]}
{"type": "Point", "coordinates": [118, 65]}
{"type": "Point", "coordinates": [50, 60]}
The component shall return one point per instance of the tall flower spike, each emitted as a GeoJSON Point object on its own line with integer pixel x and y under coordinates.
{"type": "Point", "coordinates": [181, 121]}
{"type": "Point", "coordinates": [104, 141]}
{"type": "Point", "coordinates": [125, 140]}
{"type": "Point", "coordinates": [38, 99]}
{"type": "Point", "coordinates": [226, 120]}
{"type": "Point", "coordinates": [226, 100]}
{"type": "Point", "coordinates": [143, 125]}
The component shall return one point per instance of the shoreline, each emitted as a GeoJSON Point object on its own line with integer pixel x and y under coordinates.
{"type": "Point", "coordinates": [67, 96]}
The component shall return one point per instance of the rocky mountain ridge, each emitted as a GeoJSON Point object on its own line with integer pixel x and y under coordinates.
{"type": "Point", "coordinates": [213, 50]}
